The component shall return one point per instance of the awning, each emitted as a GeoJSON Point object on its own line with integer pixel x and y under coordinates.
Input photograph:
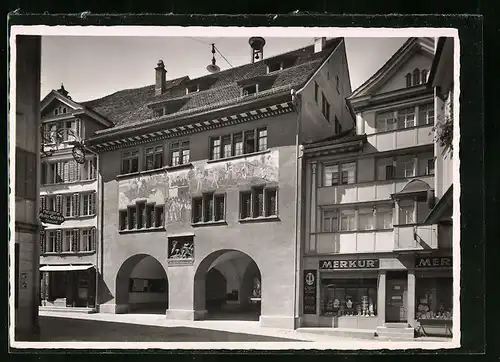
{"type": "Point", "coordinates": [66, 267]}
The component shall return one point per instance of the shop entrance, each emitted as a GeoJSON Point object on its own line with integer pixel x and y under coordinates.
{"type": "Point", "coordinates": [227, 286]}
{"type": "Point", "coordinates": [396, 297]}
{"type": "Point", "coordinates": [142, 286]}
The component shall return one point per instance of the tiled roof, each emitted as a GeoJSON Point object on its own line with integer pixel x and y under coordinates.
{"type": "Point", "coordinates": [131, 107]}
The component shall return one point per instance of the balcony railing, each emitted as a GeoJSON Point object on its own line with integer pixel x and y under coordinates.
{"type": "Point", "coordinates": [421, 237]}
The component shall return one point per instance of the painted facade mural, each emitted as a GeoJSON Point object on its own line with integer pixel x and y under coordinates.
{"type": "Point", "coordinates": [174, 189]}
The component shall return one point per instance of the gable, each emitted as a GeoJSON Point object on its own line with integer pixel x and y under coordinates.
{"type": "Point", "coordinates": [62, 107]}
{"type": "Point", "coordinates": [420, 60]}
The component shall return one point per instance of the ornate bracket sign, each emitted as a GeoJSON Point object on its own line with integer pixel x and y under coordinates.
{"type": "Point", "coordinates": [180, 250]}
{"type": "Point", "coordinates": [349, 264]}
{"type": "Point", "coordinates": [51, 217]}
{"type": "Point", "coordinates": [51, 143]}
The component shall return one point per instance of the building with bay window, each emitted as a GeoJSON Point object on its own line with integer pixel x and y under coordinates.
{"type": "Point", "coordinates": [68, 253]}
{"type": "Point", "coordinates": [370, 261]}
{"type": "Point", "coordinates": [201, 182]}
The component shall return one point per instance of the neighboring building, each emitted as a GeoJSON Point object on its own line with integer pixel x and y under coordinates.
{"type": "Point", "coordinates": [68, 255]}
{"type": "Point", "coordinates": [27, 153]}
{"type": "Point", "coordinates": [201, 184]}
{"type": "Point", "coordinates": [369, 261]}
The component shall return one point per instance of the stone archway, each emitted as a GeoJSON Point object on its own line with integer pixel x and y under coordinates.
{"type": "Point", "coordinates": [141, 286]}
{"type": "Point", "coordinates": [239, 275]}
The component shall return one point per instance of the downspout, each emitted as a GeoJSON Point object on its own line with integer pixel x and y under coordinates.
{"type": "Point", "coordinates": [297, 105]}
{"type": "Point", "coordinates": [98, 234]}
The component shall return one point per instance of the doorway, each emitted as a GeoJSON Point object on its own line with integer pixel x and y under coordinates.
{"type": "Point", "coordinates": [396, 299]}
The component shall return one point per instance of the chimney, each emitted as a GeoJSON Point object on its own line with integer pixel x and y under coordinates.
{"type": "Point", "coordinates": [161, 78]}
{"type": "Point", "coordinates": [319, 44]}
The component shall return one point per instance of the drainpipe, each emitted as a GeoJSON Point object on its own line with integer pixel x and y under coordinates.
{"type": "Point", "coordinates": [99, 221]}
{"type": "Point", "coordinates": [296, 256]}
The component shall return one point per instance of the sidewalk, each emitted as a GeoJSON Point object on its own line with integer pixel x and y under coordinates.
{"type": "Point", "coordinates": [246, 327]}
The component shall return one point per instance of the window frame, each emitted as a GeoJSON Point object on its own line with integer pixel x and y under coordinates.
{"type": "Point", "coordinates": [90, 241]}
{"type": "Point", "coordinates": [154, 154]}
{"type": "Point", "coordinates": [423, 114]}
{"type": "Point", "coordinates": [90, 204]}
{"type": "Point", "coordinates": [203, 218]}
{"type": "Point", "coordinates": [339, 172]}
{"type": "Point", "coordinates": [48, 234]}
{"type": "Point", "coordinates": [265, 212]}
{"type": "Point", "coordinates": [245, 92]}
{"type": "Point", "coordinates": [383, 118]}
{"type": "Point", "coordinates": [235, 139]}
{"type": "Point", "coordinates": [184, 148]}
{"type": "Point", "coordinates": [332, 218]}
{"type": "Point", "coordinates": [129, 156]}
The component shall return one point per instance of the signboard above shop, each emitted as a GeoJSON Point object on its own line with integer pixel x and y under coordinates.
{"type": "Point", "coordinates": [434, 262]}
{"type": "Point", "coordinates": [349, 264]}
{"type": "Point", "coordinates": [51, 217]}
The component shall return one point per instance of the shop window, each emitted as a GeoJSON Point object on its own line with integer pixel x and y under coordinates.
{"type": "Point", "coordinates": [129, 162]}
{"type": "Point", "coordinates": [434, 298]}
{"type": "Point", "coordinates": [426, 114]}
{"type": "Point", "coordinates": [179, 153]}
{"type": "Point", "coordinates": [154, 157]}
{"type": "Point", "coordinates": [259, 202]}
{"type": "Point", "coordinates": [332, 176]}
{"type": "Point", "coordinates": [350, 297]}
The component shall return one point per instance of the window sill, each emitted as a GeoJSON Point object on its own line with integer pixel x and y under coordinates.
{"type": "Point", "coordinates": [70, 182]}
{"type": "Point", "coordinates": [161, 169]}
{"type": "Point", "coordinates": [240, 156]}
{"type": "Point", "coordinates": [259, 219]}
{"type": "Point", "coordinates": [143, 230]}
{"type": "Point", "coordinates": [209, 223]}
{"type": "Point", "coordinates": [68, 253]}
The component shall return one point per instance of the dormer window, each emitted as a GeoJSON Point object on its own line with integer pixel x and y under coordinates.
{"type": "Point", "coordinates": [408, 80]}
{"type": "Point", "coordinates": [274, 67]}
{"type": "Point", "coordinates": [424, 75]}
{"type": "Point", "coordinates": [159, 112]}
{"type": "Point", "coordinates": [64, 110]}
{"type": "Point", "coordinates": [192, 89]}
{"type": "Point", "coordinates": [251, 89]}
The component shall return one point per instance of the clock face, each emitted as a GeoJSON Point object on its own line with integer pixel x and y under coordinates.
{"type": "Point", "coordinates": [78, 154]}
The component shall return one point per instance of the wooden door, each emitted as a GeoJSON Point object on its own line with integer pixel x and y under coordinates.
{"type": "Point", "coordinates": [396, 301]}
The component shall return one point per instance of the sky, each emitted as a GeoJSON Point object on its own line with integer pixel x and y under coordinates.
{"type": "Point", "coordinates": [91, 67]}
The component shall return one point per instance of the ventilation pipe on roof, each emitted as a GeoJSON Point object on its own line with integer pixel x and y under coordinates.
{"type": "Point", "coordinates": [319, 44]}
{"type": "Point", "coordinates": [161, 78]}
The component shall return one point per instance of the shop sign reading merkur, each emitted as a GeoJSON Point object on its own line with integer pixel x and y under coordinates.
{"type": "Point", "coordinates": [348, 264]}
{"type": "Point", "coordinates": [51, 217]}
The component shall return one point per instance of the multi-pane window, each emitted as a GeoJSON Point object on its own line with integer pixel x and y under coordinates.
{"type": "Point", "coordinates": [325, 106]}
{"type": "Point", "coordinates": [406, 212]}
{"type": "Point", "coordinates": [50, 243]}
{"type": "Point", "coordinates": [383, 215]}
{"type": "Point", "coordinates": [405, 166]}
{"type": "Point", "coordinates": [132, 217]}
{"type": "Point", "coordinates": [50, 203]}
{"type": "Point", "coordinates": [366, 219]}
{"type": "Point", "coordinates": [68, 206]}
{"type": "Point", "coordinates": [88, 169]}
{"type": "Point", "coordinates": [344, 173]}
{"type": "Point", "coordinates": [347, 220]}
{"type": "Point", "coordinates": [409, 168]}
{"type": "Point", "coordinates": [385, 121]}
{"type": "Point", "coordinates": [237, 144]}
{"type": "Point", "coordinates": [69, 238]}
{"type": "Point", "coordinates": [363, 218]}
{"type": "Point", "coordinates": [86, 242]}
{"type": "Point", "coordinates": [179, 153]}
{"type": "Point", "coordinates": [88, 202]}
{"type": "Point", "coordinates": [426, 114]}
{"type": "Point", "coordinates": [68, 171]}
{"type": "Point", "coordinates": [429, 169]}
{"type": "Point", "coordinates": [330, 221]}
{"type": "Point", "coordinates": [208, 208]}
{"type": "Point", "coordinates": [142, 215]}
{"type": "Point", "coordinates": [153, 157]}
{"type": "Point", "coordinates": [406, 118]}
{"type": "Point", "coordinates": [259, 202]}
{"type": "Point", "coordinates": [130, 162]}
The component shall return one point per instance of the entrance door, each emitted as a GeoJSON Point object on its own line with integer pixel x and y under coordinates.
{"type": "Point", "coordinates": [396, 300]}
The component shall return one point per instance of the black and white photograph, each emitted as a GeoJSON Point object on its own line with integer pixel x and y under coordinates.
{"type": "Point", "coordinates": [234, 188]}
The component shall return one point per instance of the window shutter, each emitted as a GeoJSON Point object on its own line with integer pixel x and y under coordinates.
{"type": "Point", "coordinates": [59, 203]}
{"type": "Point", "coordinates": [93, 240]}
{"type": "Point", "coordinates": [93, 201]}
{"type": "Point", "coordinates": [42, 241]}
{"type": "Point", "coordinates": [58, 241]}
{"type": "Point", "coordinates": [76, 204]}
{"type": "Point", "coordinates": [75, 241]}
{"type": "Point", "coordinates": [42, 202]}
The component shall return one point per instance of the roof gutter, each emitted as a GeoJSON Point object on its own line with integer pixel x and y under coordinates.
{"type": "Point", "coordinates": [296, 100]}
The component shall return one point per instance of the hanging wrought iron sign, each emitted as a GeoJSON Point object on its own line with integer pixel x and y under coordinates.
{"type": "Point", "coordinates": [78, 153]}
{"type": "Point", "coordinates": [52, 140]}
